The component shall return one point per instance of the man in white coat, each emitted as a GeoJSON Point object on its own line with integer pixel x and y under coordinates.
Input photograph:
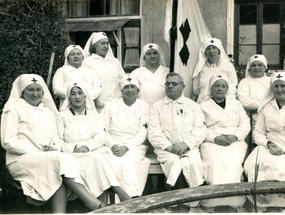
{"type": "Point", "coordinates": [176, 129]}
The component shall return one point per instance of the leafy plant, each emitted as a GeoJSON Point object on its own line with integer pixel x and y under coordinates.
{"type": "Point", "coordinates": [30, 30]}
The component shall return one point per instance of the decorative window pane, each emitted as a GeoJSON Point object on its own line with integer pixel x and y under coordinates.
{"type": "Point", "coordinates": [272, 53]}
{"type": "Point", "coordinates": [131, 47]}
{"type": "Point", "coordinates": [271, 13]}
{"type": "Point", "coordinates": [247, 34]}
{"type": "Point", "coordinates": [248, 14]}
{"type": "Point", "coordinates": [245, 52]}
{"type": "Point", "coordinates": [271, 33]}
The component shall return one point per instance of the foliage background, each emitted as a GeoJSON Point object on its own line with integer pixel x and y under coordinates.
{"type": "Point", "coordinates": [30, 30]}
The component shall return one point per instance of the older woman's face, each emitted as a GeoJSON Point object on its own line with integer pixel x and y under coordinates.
{"type": "Point", "coordinates": [152, 57]}
{"type": "Point", "coordinates": [77, 97]}
{"type": "Point", "coordinates": [33, 94]}
{"type": "Point", "coordinates": [257, 69]}
{"type": "Point", "coordinates": [102, 47]}
{"type": "Point", "coordinates": [130, 91]}
{"type": "Point", "coordinates": [212, 53]}
{"type": "Point", "coordinates": [75, 58]}
{"type": "Point", "coordinates": [219, 89]}
{"type": "Point", "coordinates": [278, 88]}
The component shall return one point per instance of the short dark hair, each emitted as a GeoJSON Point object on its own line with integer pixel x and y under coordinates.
{"type": "Point", "coordinates": [171, 74]}
{"type": "Point", "coordinates": [92, 48]}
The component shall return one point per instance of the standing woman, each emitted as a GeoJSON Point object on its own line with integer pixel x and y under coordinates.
{"type": "Point", "coordinates": [73, 72]}
{"type": "Point", "coordinates": [126, 121]}
{"type": "Point", "coordinates": [29, 136]}
{"type": "Point", "coordinates": [99, 58]}
{"type": "Point", "coordinates": [81, 128]}
{"type": "Point", "coordinates": [151, 73]}
{"type": "Point", "coordinates": [224, 149]}
{"type": "Point", "coordinates": [268, 134]}
{"type": "Point", "coordinates": [212, 61]}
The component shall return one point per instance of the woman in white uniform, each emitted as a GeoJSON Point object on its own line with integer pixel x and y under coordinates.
{"type": "Point", "coordinates": [73, 72]}
{"type": "Point", "coordinates": [151, 73]}
{"type": "Point", "coordinates": [224, 149]}
{"type": "Point", "coordinates": [126, 121]}
{"type": "Point", "coordinates": [33, 157]}
{"type": "Point", "coordinates": [269, 136]}
{"type": "Point", "coordinates": [81, 128]}
{"type": "Point", "coordinates": [212, 61]}
{"type": "Point", "coordinates": [99, 58]}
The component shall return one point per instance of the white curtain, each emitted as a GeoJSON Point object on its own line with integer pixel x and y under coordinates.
{"type": "Point", "coordinates": [132, 56]}
{"type": "Point", "coordinates": [187, 10]}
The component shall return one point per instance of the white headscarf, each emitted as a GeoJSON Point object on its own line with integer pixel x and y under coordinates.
{"type": "Point", "coordinates": [212, 81]}
{"type": "Point", "coordinates": [69, 49]}
{"type": "Point", "coordinates": [155, 47]}
{"type": "Point", "coordinates": [94, 38]}
{"type": "Point", "coordinates": [256, 57]}
{"type": "Point", "coordinates": [89, 104]}
{"type": "Point", "coordinates": [126, 80]}
{"type": "Point", "coordinates": [202, 54]}
{"type": "Point", "coordinates": [268, 95]}
{"type": "Point", "coordinates": [21, 83]}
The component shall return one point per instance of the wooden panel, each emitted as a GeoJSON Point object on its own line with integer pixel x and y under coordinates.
{"type": "Point", "coordinates": [147, 203]}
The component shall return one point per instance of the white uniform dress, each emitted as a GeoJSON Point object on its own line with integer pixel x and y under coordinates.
{"type": "Point", "coordinates": [27, 129]}
{"type": "Point", "coordinates": [223, 164]}
{"type": "Point", "coordinates": [178, 121]}
{"type": "Point", "coordinates": [128, 126]}
{"type": "Point", "coordinates": [88, 130]}
{"type": "Point", "coordinates": [251, 91]}
{"type": "Point", "coordinates": [270, 126]}
{"type": "Point", "coordinates": [109, 72]}
{"type": "Point", "coordinates": [68, 75]}
{"type": "Point", "coordinates": [152, 86]}
{"type": "Point", "coordinates": [224, 68]}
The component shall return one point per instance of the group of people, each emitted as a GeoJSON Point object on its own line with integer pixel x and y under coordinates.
{"type": "Point", "coordinates": [97, 141]}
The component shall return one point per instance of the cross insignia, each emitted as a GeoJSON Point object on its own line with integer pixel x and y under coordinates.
{"type": "Point", "coordinates": [211, 41]}
{"type": "Point", "coordinates": [129, 79]}
{"type": "Point", "coordinates": [145, 126]}
{"type": "Point", "coordinates": [279, 76]}
{"type": "Point", "coordinates": [150, 46]}
{"type": "Point", "coordinates": [219, 76]}
{"type": "Point", "coordinates": [75, 84]}
{"type": "Point", "coordinates": [104, 34]}
{"type": "Point", "coordinates": [255, 56]}
{"type": "Point", "coordinates": [34, 80]}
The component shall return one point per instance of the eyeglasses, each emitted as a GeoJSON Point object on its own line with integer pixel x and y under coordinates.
{"type": "Point", "coordinates": [174, 84]}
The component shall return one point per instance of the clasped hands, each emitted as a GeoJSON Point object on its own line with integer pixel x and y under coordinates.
{"type": "Point", "coordinates": [225, 139]}
{"type": "Point", "coordinates": [119, 151]}
{"type": "Point", "coordinates": [177, 148]}
{"type": "Point", "coordinates": [274, 149]}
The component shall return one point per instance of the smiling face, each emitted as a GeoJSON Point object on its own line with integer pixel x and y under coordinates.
{"type": "Point", "coordinates": [278, 89]}
{"type": "Point", "coordinates": [75, 58]}
{"type": "Point", "coordinates": [33, 94]}
{"type": "Point", "coordinates": [152, 57]}
{"type": "Point", "coordinates": [257, 69]}
{"type": "Point", "coordinates": [102, 47]}
{"type": "Point", "coordinates": [77, 97]}
{"type": "Point", "coordinates": [212, 53]}
{"type": "Point", "coordinates": [130, 92]}
{"type": "Point", "coordinates": [219, 90]}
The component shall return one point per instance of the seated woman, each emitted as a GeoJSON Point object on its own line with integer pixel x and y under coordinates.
{"type": "Point", "coordinates": [224, 149]}
{"type": "Point", "coordinates": [212, 61]}
{"type": "Point", "coordinates": [29, 136]}
{"type": "Point", "coordinates": [251, 89]}
{"type": "Point", "coordinates": [99, 57]}
{"type": "Point", "coordinates": [269, 136]}
{"type": "Point", "coordinates": [73, 72]}
{"type": "Point", "coordinates": [82, 129]}
{"type": "Point", "coordinates": [126, 121]}
{"type": "Point", "coordinates": [151, 73]}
